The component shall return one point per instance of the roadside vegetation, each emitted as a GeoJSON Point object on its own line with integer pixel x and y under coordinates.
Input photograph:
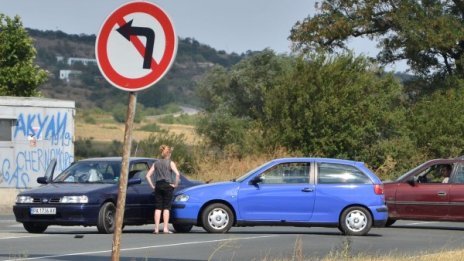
{"type": "Point", "coordinates": [343, 252]}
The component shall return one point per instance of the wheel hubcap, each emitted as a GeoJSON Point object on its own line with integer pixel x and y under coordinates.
{"type": "Point", "coordinates": [356, 220]}
{"type": "Point", "coordinates": [110, 218]}
{"type": "Point", "coordinates": [218, 218]}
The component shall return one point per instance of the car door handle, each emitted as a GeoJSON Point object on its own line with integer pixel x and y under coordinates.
{"type": "Point", "coordinates": [307, 190]}
{"type": "Point", "coordinates": [441, 193]}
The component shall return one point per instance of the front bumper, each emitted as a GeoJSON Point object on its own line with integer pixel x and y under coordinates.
{"type": "Point", "coordinates": [187, 214]}
{"type": "Point", "coordinates": [66, 214]}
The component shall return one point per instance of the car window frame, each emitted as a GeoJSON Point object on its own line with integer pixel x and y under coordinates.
{"type": "Point", "coordinates": [368, 179]}
{"type": "Point", "coordinates": [284, 175]}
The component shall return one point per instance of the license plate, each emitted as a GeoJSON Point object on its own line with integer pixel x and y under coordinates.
{"type": "Point", "coordinates": [43, 211]}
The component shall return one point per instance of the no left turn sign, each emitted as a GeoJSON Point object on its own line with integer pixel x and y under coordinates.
{"type": "Point", "coordinates": [136, 46]}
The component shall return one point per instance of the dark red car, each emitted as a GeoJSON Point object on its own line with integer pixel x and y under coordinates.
{"type": "Point", "coordinates": [432, 191]}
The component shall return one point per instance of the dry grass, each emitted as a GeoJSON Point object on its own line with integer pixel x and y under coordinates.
{"type": "Point", "coordinates": [107, 130]}
{"type": "Point", "coordinates": [211, 169]}
{"type": "Point", "coordinates": [442, 256]}
{"type": "Point", "coordinates": [344, 254]}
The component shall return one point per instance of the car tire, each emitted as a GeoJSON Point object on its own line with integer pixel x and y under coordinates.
{"type": "Point", "coordinates": [181, 228]}
{"type": "Point", "coordinates": [106, 218]}
{"type": "Point", "coordinates": [390, 222]}
{"type": "Point", "coordinates": [34, 228]}
{"type": "Point", "coordinates": [217, 218]}
{"type": "Point", "coordinates": [355, 221]}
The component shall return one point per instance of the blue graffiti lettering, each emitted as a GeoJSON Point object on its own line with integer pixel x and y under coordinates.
{"type": "Point", "coordinates": [29, 162]}
{"type": "Point", "coordinates": [30, 121]}
{"type": "Point", "coordinates": [5, 167]}
{"type": "Point", "coordinates": [41, 124]}
{"type": "Point", "coordinates": [61, 124]}
{"type": "Point", "coordinates": [21, 126]}
{"type": "Point", "coordinates": [51, 128]}
{"type": "Point", "coordinates": [34, 162]}
{"type": "Point", "coordinates": [54, 127]}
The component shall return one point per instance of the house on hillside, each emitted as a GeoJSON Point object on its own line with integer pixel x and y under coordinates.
{"type": "Point", "coordinates": [66, 75]}
{"type": "Point", "coordinates": [32, 132]}
{"type": "Point", "coordinates": [84, 61]}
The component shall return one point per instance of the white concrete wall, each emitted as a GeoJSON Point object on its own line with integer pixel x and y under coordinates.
{"type": "Point", "coordinates": [7, 200]}
{"type": "Point", "coordinates": [44, 129]}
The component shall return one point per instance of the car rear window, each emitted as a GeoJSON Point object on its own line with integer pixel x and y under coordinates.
{"type": "Point", "coordinates": [332, 173]}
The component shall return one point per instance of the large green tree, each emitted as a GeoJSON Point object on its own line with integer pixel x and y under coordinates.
{"type": "Point", "coordinates": [234, 99]}
{"type": "Point", "coordinates": [19, 76]}
{"type": "Point", "coordinates": [339, 106]}
{"type": "Point", "coordinates": [318, 105]}
{"type": "Point", "coordinates": [242, 89]}
{"type": "Point", "coordinates": [437, 122]}
{"type": "Point", "coordinates": [429, 34]}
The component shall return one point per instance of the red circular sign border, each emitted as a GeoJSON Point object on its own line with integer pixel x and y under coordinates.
{"type": "Point", "coordinates": [136, 84]}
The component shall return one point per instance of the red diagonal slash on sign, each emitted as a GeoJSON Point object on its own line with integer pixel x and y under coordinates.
{"type": "Point", "coordinates": [138, 44]}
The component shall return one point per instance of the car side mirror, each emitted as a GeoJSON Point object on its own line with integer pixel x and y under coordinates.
{"type": "Point", "coordinates": [255, 180]}
{"type": "Point", "coordinates": [134, 181]}
{"type": "Point", "coordinates": [411, 181]}
{"type": "Point", "coordinates": [42, 180]}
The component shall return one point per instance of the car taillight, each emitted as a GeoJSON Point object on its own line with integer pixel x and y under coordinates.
{"type": "Point", "coordinates": [378, 189]}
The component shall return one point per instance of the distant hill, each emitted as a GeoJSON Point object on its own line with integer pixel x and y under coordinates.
{"type": "Point", "coordinates": [89, 89]}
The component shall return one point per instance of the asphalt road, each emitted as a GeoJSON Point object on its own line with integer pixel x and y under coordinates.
{"type": "Point", "coordinates": [248, 243]}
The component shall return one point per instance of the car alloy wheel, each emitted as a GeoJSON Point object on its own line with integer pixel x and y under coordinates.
{"type": "Point", "coordinates": [356, 221]}
{"type": "Point", "coordinates": [217, 218]}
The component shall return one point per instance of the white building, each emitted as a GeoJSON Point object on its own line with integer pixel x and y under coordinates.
{"type": "Point", "coordinates": [66, 74]}
{"type": "Point", "coordinates": [84, 61]}
{"type": "Point", "coordinates": [32, 132]}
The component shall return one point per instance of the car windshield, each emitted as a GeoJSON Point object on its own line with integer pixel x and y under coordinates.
{"type": "Point", "coordinates": [250, 172]}
{"type": "Point", "coordinates": [90, 172]}
{"type": "Point", "coordinates": [410, 171]}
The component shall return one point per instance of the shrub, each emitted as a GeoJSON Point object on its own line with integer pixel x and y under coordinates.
{"type": "Point", "coordinates": [183, 154]}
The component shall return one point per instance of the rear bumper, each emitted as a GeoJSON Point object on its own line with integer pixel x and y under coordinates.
{"type": "Point", "coordinates": [380, 215]}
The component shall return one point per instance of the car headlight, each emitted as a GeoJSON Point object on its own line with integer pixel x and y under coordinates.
{"type": "Point", "coordinates": [24, 199]}
{"type": "Point", "coordinates": [181, 198]}
{"type": "Point", "coordinates": [74, 199]}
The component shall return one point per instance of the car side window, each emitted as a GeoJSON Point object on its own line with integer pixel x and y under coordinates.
{"type": "Point", "coordinates": [287, 173]}
{"type": "Point", "coordinates": [459, 174]}
{"type": "Point", "coordinates": [332, 173]}
{"type": "Point", "coordinates": [439, 173]}
{"type": "Point", "coordinates": [137, 167]}
{"type": "Point", "coordinates": [108, 172]}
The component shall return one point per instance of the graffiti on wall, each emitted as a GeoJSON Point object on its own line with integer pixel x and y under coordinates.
{"type": "Point", "coordinates": [45, 137]}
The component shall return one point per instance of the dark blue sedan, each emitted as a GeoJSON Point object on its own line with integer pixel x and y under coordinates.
{"type": "Point", "coordinates": [301, 192]}
{"type": "Point", "coordinates": [85, 194]}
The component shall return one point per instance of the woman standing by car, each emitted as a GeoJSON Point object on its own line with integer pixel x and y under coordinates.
{"type": "Point", "coordinates": [164, 185]}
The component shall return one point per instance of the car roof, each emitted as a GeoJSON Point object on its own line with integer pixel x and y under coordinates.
{"type": "Point", "coordinates": [319, 160]}
{"type": "Point", "coordinates": [449, 160]}
{"type": "Point", "coordinates": [116, 159]}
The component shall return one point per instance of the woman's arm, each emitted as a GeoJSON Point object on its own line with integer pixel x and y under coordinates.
{"type": "Point", "coordinates": [174, 168]}
{"type": "Point", "coordinates": [149, 174]}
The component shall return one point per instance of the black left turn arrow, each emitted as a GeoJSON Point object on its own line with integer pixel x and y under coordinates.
{"type": "Point", "coordinates": [127, 30]}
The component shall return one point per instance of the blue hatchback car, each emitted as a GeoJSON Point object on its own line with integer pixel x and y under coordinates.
{"type": "Point", "coordinates": [288, 192]}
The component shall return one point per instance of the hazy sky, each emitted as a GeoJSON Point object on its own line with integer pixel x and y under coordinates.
{"type": "Point", "coordinates": [229, 25]}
